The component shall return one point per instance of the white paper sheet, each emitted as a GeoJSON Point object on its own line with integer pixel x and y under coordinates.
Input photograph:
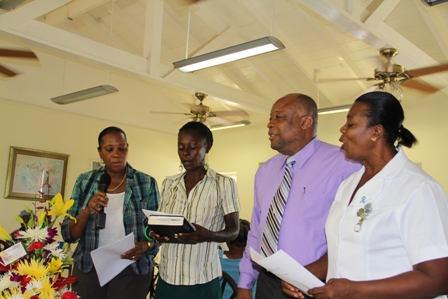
{"type": "Point", "coordinates": [287, 269]}
{"type": "Point", "coordinates": [107, 261]}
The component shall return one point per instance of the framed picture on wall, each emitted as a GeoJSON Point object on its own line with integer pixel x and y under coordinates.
{"type": "Point", "coordinates": [34, 174]}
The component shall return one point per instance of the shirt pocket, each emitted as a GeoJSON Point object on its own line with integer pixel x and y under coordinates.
{"type": "Point", "coordinates": [315, 206]}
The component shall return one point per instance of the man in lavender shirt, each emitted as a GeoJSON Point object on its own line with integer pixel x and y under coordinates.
{"type": "Point", "coordinates": [318, 170]}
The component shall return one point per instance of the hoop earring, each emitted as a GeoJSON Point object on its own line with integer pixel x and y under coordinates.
{"type": "Point", "coordinates": [373, 138]}
{"type": "Point", "coordinates": [181, 167]}
{"type": "Point", "coordinates": [206, 167]}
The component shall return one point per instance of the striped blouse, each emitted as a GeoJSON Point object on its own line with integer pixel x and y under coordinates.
{"type": "Point", "coordinates": [208, 202]}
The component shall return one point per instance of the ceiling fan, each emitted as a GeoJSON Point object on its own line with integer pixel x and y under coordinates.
{"type": "Point", "coordinates": [25, 54]}
{"type": "Point", "coordinates": [391, 76]}
{"type": "Point", "coordinates": [204, 114]}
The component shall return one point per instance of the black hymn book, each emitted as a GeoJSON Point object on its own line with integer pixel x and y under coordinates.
{"type": "Point", "coordinates": [169, 225]}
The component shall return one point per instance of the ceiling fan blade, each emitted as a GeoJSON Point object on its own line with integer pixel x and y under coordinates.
{"type": "Point", "coordinates": [343, 79]}
{"type": "Point", "coordinates": [419, 85]}
{"type": "Point", "coordinates": [17, 53]}
{"type": "Point", "coordinates": [187, 2]}
{"type": "Point", "coordinates": [230, 113]}
{"type": "Point", "coordinates": [164, 112]}
{"type": "Point", "coordinates": [7, 72]}
{"type": "Point", "coordinates": [428, 70]}
{"type": "Point", "coordinates": [222, 121]}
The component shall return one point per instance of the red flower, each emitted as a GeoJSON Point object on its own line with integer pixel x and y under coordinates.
{"type": "Point", "coordinates": [36, 245]}
{"type": "Point", "coordinates": [25, 280]}
{"type": "Point", "coordinates": [69, 295]}
{"type": "Point", "coordinates": [4, 268]}
{"type": "Point", "coordinates": [62, 282]}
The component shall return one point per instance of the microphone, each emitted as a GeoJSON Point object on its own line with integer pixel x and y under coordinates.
{"type": "Point", "coordinates": [100, 220]}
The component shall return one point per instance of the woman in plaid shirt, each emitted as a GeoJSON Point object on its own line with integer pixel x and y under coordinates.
{"type": "Point", "coordinates": [129, 192]}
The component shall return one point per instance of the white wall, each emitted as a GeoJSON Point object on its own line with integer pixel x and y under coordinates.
{"type": "Point", "coordinates": [237, 150]}
{"type": "Point", "coordinates": [44, 129]}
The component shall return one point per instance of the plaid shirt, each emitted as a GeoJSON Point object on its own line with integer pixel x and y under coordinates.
{"type": "Point", "coordinates": [141, 193]}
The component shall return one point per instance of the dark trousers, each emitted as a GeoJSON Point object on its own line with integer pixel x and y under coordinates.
{"type": "Point", "coordinates": [125, 285]}
{"type": "Point", "coordinates": [270, 287]}
{"type": "Point", "coordinates": [208, 290]}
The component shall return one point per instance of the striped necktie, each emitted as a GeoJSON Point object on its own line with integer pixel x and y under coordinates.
{"type": "Point", "coordinates": [269, 241]}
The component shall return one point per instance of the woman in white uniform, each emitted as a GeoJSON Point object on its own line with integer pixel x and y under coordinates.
{"type": "Point", "coordinates": [387, 230]}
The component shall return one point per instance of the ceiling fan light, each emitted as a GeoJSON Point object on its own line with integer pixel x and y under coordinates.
{"type": "Point", "coordinates": [336, 109]}
{"type": "Point", "coordinates": [248, 49]}
{"type": "Point", "coordinates": [241, 123]}
{"type": "Point", "coordinates": [84, 94]}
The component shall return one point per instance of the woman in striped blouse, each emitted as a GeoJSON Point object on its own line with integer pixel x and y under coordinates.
{"type": "Point", "coordinates": [209, 200]}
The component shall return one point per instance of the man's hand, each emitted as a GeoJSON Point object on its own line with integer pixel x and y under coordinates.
{"type": "Point", "coordinates": [291, 290]}
{"type": "Point", "coordinates": [244, 294]}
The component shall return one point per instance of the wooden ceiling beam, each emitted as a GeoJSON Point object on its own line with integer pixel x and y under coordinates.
{"type": "Point", "coordinates": [71, 10]}
{"type": "Point", "coordinates": [435, 24]}
{"type": "Point", "coordinates": [152, 36]}
{"type": "Point", "coordinates": [381, 13]}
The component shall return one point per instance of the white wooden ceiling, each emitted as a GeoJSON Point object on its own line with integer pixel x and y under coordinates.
{"type": "Point", "coordinates": [131, 44]}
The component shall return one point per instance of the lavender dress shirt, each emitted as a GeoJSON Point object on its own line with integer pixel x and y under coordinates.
{"type": "Point", "coordinates": [318, 170]}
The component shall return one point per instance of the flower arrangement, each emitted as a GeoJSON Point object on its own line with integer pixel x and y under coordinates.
{"type": "Point", "coordinates": [36, 273]}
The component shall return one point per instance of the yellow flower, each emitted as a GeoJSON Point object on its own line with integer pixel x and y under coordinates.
{"type": "Point", "coordinates": [40, 218]}
{"type": "Point", "coordinates": [47, 291]}
{"type": "Point", "coordinates": [54, 265]}
{"type": "Point", "coordinates": [34, 269]}
{"type": "Point", "coordinates": [59, 208]}
{"type": "Point", "coordinates": [16, 293]}
{"type": "Point", "coordinates": [4, 235]}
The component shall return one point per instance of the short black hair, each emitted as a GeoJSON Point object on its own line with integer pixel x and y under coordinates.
{"type": "Point", "coordinates": [200, 128]}
{"type": "Point", "coordinates": [109, 130]}
{"type": "Point", "coordinates": [310, 106]}
{"type": "Point", "coordinates": [306, 103]}
{"type": "Point", "coordinates": [382, 108]}
{"type": "Point", "coordinates": [241, 240]}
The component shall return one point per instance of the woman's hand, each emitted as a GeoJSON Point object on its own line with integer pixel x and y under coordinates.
{"type": "Point", "coordinates": [77, 228]}
{"type": "Point", "coordinates": [137, 252]}
{"type": "Point", "coordinates": [200, 235]}
{"type": "Point", "coordinates": [334, 289]}
{"type": "Point", "coordinates": [291, 290]}
{"type": "Point", "coordinates": [158, 238]}
{"type": "Point", "coordinates": [97, 201]}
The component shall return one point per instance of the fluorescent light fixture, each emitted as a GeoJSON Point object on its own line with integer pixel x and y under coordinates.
{"type": "Point", "coordinates": [241, 123]}
{"type": "Point", "coordinates": [84, 94]}
{"type": "Point", "coordinates": [252, 48]}
{"type": "Point", "coordinates": [335, 109]}
{"type": "Point", "coordinates": [433, 2]}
